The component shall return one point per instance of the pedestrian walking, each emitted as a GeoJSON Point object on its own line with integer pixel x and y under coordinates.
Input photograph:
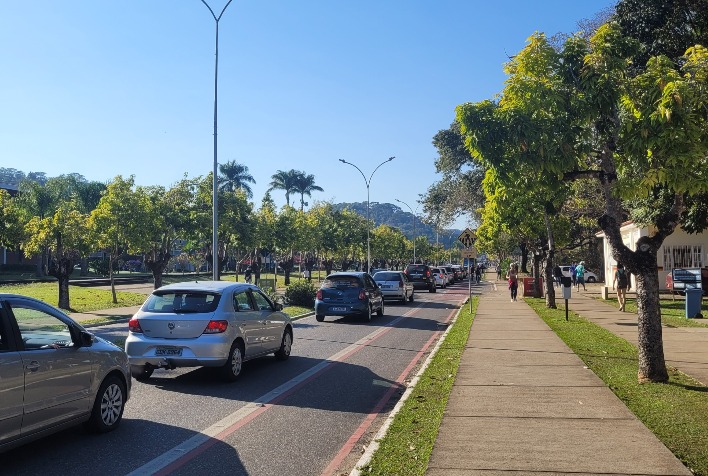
{"type": "Point", "coordinates": [499, 272]}
{"type": "Point", "coordinates": [557, 274]}
{"type": "Point", "coordinates": [512, 277]}
{"type": "Point", "coordinates": [572, 273]}
{"type": "Point", "coordinates": [248, 275]}
{"type": "Point", "coordinates": [622, 280]}
{"type": "Point", "coordinates": [580, 276]}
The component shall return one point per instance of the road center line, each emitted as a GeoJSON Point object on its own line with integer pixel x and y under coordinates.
{"type": "Point", "coordinates": [192, 447]}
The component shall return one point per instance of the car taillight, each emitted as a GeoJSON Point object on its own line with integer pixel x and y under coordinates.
{"type": "Point", "coordinates": [318, 296]}
{"type": "Point", "coordinates": [427, 273]}
{"type": "Point", "coordinates": [134, 326]}
{"type": "Point", "coordinates": [362, 295]}
{"type": "Point", "coordinates": [216, 327]}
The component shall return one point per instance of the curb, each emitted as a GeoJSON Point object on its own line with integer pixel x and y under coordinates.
{"type": "Point", "coordinates": [374, 445]}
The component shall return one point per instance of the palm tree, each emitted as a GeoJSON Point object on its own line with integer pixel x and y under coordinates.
{"type": "Point", "coordinates": [305, 185]}
{"type": "Point", "coordinates": [235, 176]}
{"type": "Point", "coordinates": [283, 180]}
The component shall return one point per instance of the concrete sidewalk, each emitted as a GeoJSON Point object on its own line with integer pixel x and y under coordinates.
{"type": "Point", "coordinates": [524, 403]}
{"type": "Point", "coordinates": [685, 348]}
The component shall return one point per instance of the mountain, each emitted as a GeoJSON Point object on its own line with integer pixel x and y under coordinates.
{"type": "Point", "coordinates": [393, 215]}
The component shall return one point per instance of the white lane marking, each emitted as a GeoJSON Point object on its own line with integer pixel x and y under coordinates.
{"type": "Point", "coordinates": [244, 412]}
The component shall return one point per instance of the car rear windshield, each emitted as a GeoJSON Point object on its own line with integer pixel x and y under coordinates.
{"type": "Point", "coordinates": [387, 277]}
{"type": "Point", "coordinates": [181, 302]}
{"type": "Point", "coordinates": [341, 282]}
{"type": "Point", "coordinates": [416, 269]}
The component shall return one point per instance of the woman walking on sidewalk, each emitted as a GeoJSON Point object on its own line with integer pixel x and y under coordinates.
{"type": "Point", "coordinates": [623, 284]}
{"type": "Point", "coordinates": [513, 277]}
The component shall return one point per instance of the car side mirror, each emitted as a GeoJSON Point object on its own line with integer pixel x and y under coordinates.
{"type": "Point", "coordinates": [278, 306]}
{"type": "Point", "coordinates": [86, 339]}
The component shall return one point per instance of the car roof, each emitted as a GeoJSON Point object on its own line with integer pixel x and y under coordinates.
{"type": "Point", "coordinates": [357, 274]}
{"type": "Point", "coordinates": [207, 286]}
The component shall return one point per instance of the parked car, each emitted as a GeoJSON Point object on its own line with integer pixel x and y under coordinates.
{"type": "Point", "coordinates": [206, 324]}
{"type": "Point", "coordinates": [440, 276]}
{"type": "Point", "coordinates": [421, 277]}
{"type": "Point", "coordinates": [395, 284]}
{"type": "Point", "coordinates": [590, 277]}
{"type": "Point", "coordinates": [55, 374]}
{"type": "Point", "coordinates": [349, 294]}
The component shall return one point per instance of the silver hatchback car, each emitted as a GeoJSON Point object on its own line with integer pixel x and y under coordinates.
{"type": "Point", "coordinates": [206, 324]}
{"type": "Point", "coordinates": [55, 374]}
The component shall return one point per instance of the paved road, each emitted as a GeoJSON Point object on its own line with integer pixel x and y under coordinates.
{"type": "Point", "coordinates": [310, 415]}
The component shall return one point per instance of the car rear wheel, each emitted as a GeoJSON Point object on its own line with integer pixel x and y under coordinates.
{"type": "Point", "coordinates": [285, 346]}
{"type": "Point", "coordinates": [141, 373]}
{"type": "Point", "coordinates": [432, 289]}
{"type": "Point", "coordinates": [591, 279]}
{"type": "Point", "coordinates": [319, 317]}
{"type": "Point", "coordinates": [108, 408]}
{"type": "Point", "coordinates": [232, 368]}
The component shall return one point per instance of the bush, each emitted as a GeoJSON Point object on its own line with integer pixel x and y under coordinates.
{"type": "Point", "coordinates": [301, 293]}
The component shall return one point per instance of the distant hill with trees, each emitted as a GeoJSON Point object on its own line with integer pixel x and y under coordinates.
{"type": "Point", "coordinates": [395, 216]}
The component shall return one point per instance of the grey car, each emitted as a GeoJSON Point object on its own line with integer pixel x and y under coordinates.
{"type": "Point", "coordinates": [55, 374]}
{"type": "Point", "coordinates": [395, 285]}
{"type": "Point", "coordinates": [206, 324]}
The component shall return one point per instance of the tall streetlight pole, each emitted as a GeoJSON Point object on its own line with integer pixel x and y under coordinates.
{"type": "Point", "coordinates": [413, 212]}
{"type": "Point", "coordinates": [215, 197]}
{"type": "Point", "coordinates": [367, 182]}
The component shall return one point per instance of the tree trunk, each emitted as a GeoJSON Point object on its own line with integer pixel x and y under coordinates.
{"type": "Point", "coordinates": [110, 277]}
{"type": "Point", "coordinates": [524, 257]}
{"type": "Point", "coordinates": [550, 256]}
{"type": "Point", "coordinates": [536, 274]}
{"type": "Point", "coordinates": [652, 366]}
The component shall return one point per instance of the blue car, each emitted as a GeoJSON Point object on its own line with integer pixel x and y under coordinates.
{"type": "Point", "coordinates": [349, 294]}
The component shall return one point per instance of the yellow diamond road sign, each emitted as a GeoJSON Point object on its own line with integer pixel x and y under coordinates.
{"type": "Point", "coordinates": [467, 237]}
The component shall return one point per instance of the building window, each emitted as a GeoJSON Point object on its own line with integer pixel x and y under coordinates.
{"type": "Point", "coordinates": [683, 256]}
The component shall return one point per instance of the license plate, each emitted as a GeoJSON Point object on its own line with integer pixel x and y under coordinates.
{"type": "Point", "coordinates": [339, 309]}
{"type": "Point", "coordinates": [170, 351]}
{"type": "Point", "coordinates": [386, 286]}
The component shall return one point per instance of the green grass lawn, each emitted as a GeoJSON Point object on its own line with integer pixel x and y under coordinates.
{"type": "Point", "coordinates": [677, 412]}
{"type": "Point", "coordinates": [673, 312]}
{"type": "Point", "coordinates": [81, 299]}
{"type": "Point", "coordinates": [406, 448]}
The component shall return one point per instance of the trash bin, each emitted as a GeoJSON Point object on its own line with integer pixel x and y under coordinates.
{"type": "Point", "coordinates": [693, 302]}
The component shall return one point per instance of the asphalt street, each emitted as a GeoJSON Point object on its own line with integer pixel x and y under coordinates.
{"type": "Point", "coordinates": [313, 414]}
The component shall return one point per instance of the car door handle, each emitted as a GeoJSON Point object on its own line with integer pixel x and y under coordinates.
{"type": "Point", "coordinates": [33, 366]}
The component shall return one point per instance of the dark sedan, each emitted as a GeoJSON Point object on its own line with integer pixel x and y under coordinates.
{"type": "Point", "coordinates": [349, 293]}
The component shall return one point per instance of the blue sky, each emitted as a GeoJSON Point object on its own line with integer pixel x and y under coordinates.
{"type": "Point", "coordinates": [106, 88]}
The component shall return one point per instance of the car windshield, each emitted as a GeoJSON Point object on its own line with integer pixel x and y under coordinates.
{"type": "Point", "coordinates": [181, 302]}
{"type": "Point", "coordinates": [341, 282]}
{"type": "Point", "coordinates": [382, 276]}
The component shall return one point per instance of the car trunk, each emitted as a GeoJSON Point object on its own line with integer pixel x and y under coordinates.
{"type": "Point", "coordinates": [179, 326]}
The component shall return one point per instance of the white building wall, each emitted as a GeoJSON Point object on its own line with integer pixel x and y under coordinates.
{"type": "Point", "coordinates": [631, 233]}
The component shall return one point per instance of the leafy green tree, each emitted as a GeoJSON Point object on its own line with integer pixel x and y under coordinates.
{"type": "Point", "coordinates": [235, 176]}
{"type": "Point", "coordinates": [64, 234]}
{"type": "Point", "coordinates": [629, 134]}
{"type": "Point", "coordinates": [11, 224]}
{"type": "Point", "coordinates": [168, 216]}
{"type": "Point", "coordinates": [120, 222]}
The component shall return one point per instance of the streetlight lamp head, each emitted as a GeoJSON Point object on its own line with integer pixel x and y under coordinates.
{"type": "Point", "coordinates": [390, 159]}
{"type": "Point", "coordinates": [342, 160]}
